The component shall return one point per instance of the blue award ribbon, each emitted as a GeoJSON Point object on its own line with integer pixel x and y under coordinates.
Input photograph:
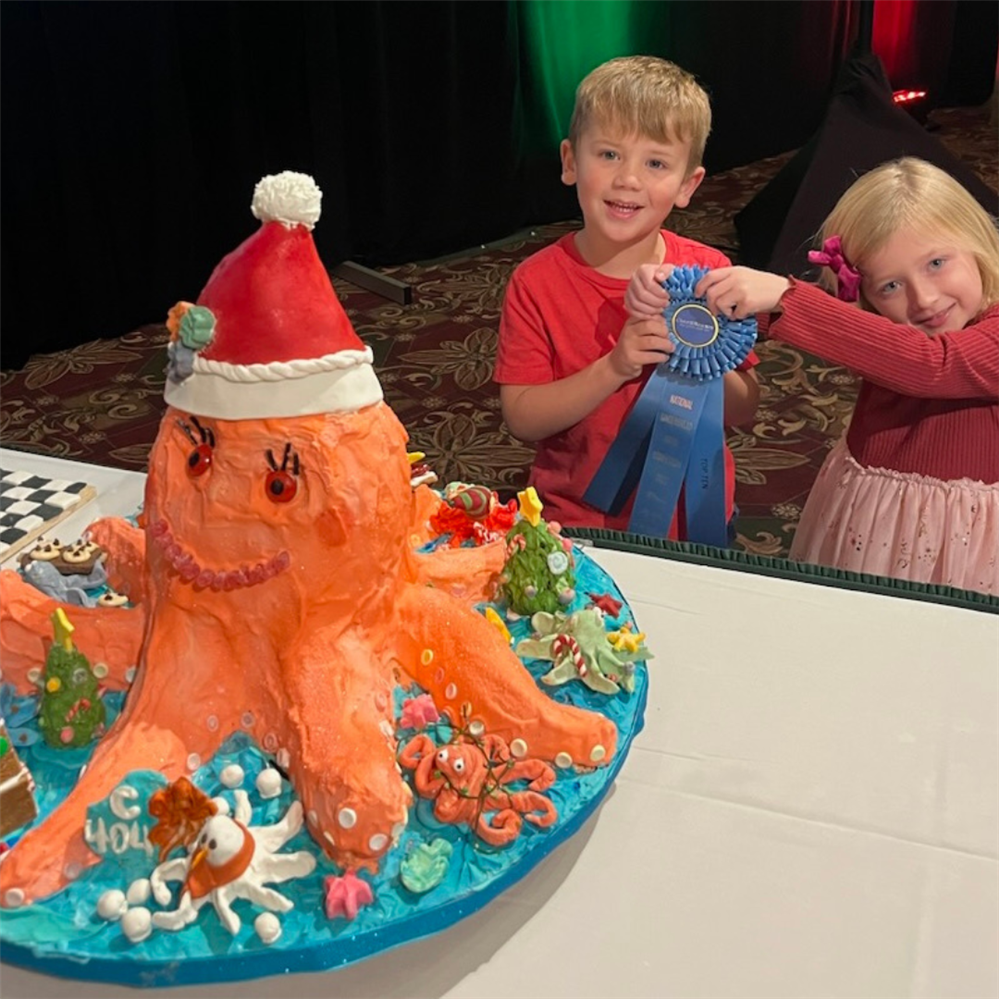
{"type": "Point", "coordinates": [674, 436]}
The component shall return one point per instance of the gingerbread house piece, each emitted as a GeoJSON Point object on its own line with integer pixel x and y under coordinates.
{"type": "Point", "coordinates": [17, 801]}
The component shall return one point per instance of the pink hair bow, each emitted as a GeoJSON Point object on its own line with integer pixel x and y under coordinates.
{"type": "Point", "coordinates": [847, 276]}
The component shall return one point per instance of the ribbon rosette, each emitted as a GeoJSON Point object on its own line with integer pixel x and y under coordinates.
{"type": "Point", "coordinates": [707, 346]}
{"type": "Point", "coordinates": [674, 436]}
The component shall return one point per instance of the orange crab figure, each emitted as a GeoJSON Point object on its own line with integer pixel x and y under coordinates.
{"type": "Point", "coordinates": [280, 588]}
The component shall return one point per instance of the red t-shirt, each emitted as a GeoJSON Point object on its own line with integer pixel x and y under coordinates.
{"type": "Point", "coordinates": [559, 316]}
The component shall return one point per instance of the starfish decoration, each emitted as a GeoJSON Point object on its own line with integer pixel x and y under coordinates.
{"type": "Point", "coordinates": [606, 603]}
{"type": "Point", "coordinates": [625, 639]}
{"type": "Point", "coordinates": [346, 895]}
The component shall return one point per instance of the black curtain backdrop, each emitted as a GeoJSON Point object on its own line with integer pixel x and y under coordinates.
{"type": "Point", "coordinates": [134, 132]}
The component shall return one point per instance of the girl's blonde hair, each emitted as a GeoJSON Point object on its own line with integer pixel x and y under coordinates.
{"type": "Point", "coordinates": [911, 193]}
{"type": "Point", "coordinates": [644, 95]}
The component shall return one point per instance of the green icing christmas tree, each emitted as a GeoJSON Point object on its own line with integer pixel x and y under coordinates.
{"type": "Point", "coordinates": [538, 575]}
{"type": "Point", "coordinates": [71, 713]}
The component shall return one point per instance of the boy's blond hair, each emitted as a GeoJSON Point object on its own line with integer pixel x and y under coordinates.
{"type": "Point", "coordinates": [644, 95]}
{"type": "Point", "coordinates": [911, 193]}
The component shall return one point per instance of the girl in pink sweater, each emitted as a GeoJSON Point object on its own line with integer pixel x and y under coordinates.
{"type": "Point", "coordinates": [912, 489]}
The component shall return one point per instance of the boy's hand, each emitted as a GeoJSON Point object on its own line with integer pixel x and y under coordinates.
{"type": "Point", "coordinates": [646, 295]}
{"type": "Point", "coordinates": [642, 341]}
{"type": "Point", "coordinates": [738, 292]}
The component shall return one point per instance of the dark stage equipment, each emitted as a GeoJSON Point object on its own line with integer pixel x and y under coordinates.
{"type": "Point", "coordinates": [863, 127]}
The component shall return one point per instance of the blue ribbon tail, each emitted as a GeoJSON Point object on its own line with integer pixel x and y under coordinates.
{"type": "Point", "coordinates": [668, 456]}
{"type": "Point", "coordinates": [619, 472]}
{"type": "Point", "coordinates": [705, 480]}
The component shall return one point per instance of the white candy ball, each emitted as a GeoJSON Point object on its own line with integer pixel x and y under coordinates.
{"type": "Point", "coordinates": [268, 927]}
{"type": "Point", "coordinates": [112, 905]}
{"type": "Point", "coordinates": [268, 783]}
{"type": "Point", "coordinates": [232, 775]}
{"type": "Point", "coordinates": [137, 924]}
{"type": "Point", "coordinates": [138, 892]}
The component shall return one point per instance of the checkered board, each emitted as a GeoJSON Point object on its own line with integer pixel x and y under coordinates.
{"type": "Point", "coordinates": [30, 505]}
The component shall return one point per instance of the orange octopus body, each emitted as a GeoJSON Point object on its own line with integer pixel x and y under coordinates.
{"type": "Point", "coordinates": [291, 620]}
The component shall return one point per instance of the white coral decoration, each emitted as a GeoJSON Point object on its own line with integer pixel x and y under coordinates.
{"type": "Point", "coordinates": [289, 198]}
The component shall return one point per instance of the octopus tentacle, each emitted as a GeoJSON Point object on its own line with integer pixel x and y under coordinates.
{"type": "Point", "coordinates": [110, 635]}
{"type": "Point", "coordinates": [343, 749]}
{"type": "Point", "coordinates": [474, 677]}
{"type": "Point", "coordinates": [50, 855]}
{"type": "Point", "coordinates": [536, 808]}
{"type": "Point", "coordinates": [499, 829]}
{"type": "Point", "coordinates": [125, 561]}
{"type": "Point", "coordinates": [540, 775]}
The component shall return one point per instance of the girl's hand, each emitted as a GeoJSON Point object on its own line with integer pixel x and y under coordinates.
{"type": "Point", "coordinates": [738, 292]}
{"type": "Point", "coordinates": [646, 295]}
{"type": "Point", "coordinates": [642, 341]}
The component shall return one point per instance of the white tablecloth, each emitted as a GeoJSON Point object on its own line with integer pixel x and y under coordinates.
{"type": "Point", "coordinates": [811, 810]}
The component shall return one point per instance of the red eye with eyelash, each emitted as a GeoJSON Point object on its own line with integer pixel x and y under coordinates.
{"type": "Point", "coordinates": [281, 483]}
{"type": "Point", "coordinates": [199, 460]}
{"type": "Point", "coordinates": [280, 486]}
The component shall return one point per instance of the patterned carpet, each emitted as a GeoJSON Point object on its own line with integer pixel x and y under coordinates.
{"type": "Point", "coordinates": [101, 402]}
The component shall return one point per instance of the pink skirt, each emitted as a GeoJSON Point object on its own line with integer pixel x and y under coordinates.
{"type": "Point", "coordinates": [901, 524]}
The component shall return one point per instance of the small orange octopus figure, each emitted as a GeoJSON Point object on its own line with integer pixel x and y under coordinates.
{"type": "Point", "coordinates": [279, 585]}
{"type": "Point", "coordinates": [467, 781]}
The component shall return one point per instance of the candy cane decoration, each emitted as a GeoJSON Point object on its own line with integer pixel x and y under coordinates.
{"type": "Point", "coordinates": [566, 645]}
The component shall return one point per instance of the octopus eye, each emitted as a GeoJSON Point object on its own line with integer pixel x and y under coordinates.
{"type": "Point", "coordinates": [442, 756]}
{"type": "Point", "coordinates": [459, 766]}
{"type": "Point", "coordinates": [280, 486]}
{"type": "Point", "coordinates": [199, 460]}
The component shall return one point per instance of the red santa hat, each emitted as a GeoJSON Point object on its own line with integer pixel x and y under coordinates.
{"type": "Point", "coordinates": [268, 336]}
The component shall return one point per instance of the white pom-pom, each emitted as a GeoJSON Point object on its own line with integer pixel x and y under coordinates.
{"type": "Point", "coordinates": [289, 198]}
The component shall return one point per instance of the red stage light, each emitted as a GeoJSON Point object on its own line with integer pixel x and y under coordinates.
{"type": "Point", "coordinates": [908, 96]}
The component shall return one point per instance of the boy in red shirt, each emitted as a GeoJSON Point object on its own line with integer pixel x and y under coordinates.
{"type": "Point", "coordinates": [571, 362]}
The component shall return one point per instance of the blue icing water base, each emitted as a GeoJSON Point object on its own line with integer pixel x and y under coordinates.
{"type": "Point", "coordinates": [64, 935]}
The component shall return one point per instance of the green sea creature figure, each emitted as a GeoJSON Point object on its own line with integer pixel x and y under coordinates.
{"type": "Point", "coordinates": [580, 648]}
{"type": "Point", "coordinates": [71, 713]}
{"type": "Point", "coordinates": [539, 574]}
{"type": "Point", "coordinates": [426, 866]}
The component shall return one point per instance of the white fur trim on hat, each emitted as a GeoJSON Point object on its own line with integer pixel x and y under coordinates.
{"type": "Point", "coordinates": [340, 382]}
{"type": "Point", "coordinates": [289, 198]}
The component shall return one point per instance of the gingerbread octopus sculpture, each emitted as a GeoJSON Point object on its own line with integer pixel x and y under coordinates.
{"type": "Point", "coordinates": [277, 585]}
